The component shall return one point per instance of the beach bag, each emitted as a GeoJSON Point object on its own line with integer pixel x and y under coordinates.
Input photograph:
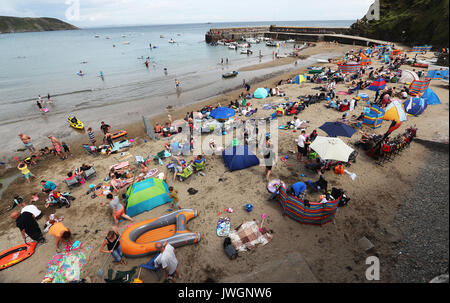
{"type": "Point", "coordinates": [229, 249]}
{"type": "Point", "coordinates": [339, 169]}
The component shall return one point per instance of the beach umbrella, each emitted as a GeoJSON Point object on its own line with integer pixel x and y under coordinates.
{"type": "Point", "coordinates": [377, 85]}
{"type": "Point", "coordinates": [415, 106]}
{"type": "Point", "coordinates": [260, 93]}
{"type": "Point", "coordinates": [329, 148]}
{"type": "Point", "coordinates": [222, 113]}
{"type": "Point", "coordinates": [395, 111]}
{"type": "Point", "coordinates": [335, 129]}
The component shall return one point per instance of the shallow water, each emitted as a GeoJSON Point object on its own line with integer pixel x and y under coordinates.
{"type": "Point", "coordinates": [48, 62]}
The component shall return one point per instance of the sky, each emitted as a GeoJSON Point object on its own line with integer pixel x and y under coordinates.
{"type": "Point", "coordinates": [91, 13]}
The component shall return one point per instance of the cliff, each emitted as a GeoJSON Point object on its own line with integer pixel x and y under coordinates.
{"type": "Point", "coordinates": [411, 22]}
{"type": "Point", "coordinates": [17, 25]}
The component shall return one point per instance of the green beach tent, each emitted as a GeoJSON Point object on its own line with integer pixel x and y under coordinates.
{"type": "Point", "coordinates": [146, 195]}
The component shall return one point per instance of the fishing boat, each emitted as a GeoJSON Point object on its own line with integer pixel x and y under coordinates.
{"type": "Point", "coordinates": [230, 74]}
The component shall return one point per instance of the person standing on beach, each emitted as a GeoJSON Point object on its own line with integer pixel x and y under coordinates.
{"type": "Point", "coordinates": [28, 226]}
{"type": "Point", "coordinates": [91, 136]}
{"type": "Point", "coordinates": [104, 127]}
{"type": "Point", "coordinates": [48, 98]}
{"type": "Point", "coordinates": [221, 61]}
{"type": "Point", "coordinates": [108, 139]}
{"type": "Point", "coordinates": [57, 146]}
{"type": "Point", "coordinates": [177, 83]}
{"type": "Point", "coordinates": [25, 171]}
{"type": "Point", "coordinates": [227, 61]}
{"type": "Point", "coordinates": [27, 142]}
{"type": "Point", "coordinates": [118, 211]}
{"type": "Point", "coordinates": [301, 148]}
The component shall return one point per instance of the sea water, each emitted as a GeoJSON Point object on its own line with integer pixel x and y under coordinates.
{"type": "Point", "coordinates": [39, 63]}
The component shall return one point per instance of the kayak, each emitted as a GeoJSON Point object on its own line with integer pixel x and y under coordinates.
{"type": "Point", "coordinates": [77, 125]}
{"type": "Point", "coordinates": [16, 254]}
{"type": "Point", "coordinates": [119, 134]}
{"type": "Point", "coordinates": [231, 74]}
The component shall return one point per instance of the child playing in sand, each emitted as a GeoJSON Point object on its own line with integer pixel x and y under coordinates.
{"type": "Point", "coordinates": [91, 136]}
{"type": "Point", "coordinates": [25, 171]}
{"type": "Point", "coordinates": [66, 148]}
{"type": "Point", "coordinates": [173, 193]}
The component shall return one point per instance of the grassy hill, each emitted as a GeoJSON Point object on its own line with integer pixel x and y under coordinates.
{"type": "Point", "coordinates": [412, 22]}
{"type": "Point", "coordinates": [17, 25]}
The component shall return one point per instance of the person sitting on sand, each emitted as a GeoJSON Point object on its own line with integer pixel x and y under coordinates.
{"type": "Point", "coordinates": [297, 189]}
{"type": "Point", "coordinates": [17, 201]}
{"type": "Point", "coordinates": [48, 186]}
{"type": "Point", "coordinates": [118, 211]}
{"type": "Point", "coordinates": [112, 243]}
{"type": "Point", "coordinates": [357, 122]}
{"type": "Point", "coordinates": [158, 128]}
{"type": "Point", "coordinates": [167, 260]}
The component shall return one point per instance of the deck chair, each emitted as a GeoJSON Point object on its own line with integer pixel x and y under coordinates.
{"type": "Point", "coordinates": [186, 149]}
{"type": "Point", "coordinates": [72, 182]}
{"type": "Point", "coordinates": [199, 166]}
{"type": "Point", "coordinates": [90, 150]}
{"type": "Point", "coordinates": [89, 173]}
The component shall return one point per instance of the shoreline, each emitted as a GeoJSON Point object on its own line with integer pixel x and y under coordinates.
{"type": "Point", "coordinates": [179, 111]}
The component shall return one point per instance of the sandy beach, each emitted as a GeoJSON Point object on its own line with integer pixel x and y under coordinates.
{"type": "Point", "coordinates": [331, 252]}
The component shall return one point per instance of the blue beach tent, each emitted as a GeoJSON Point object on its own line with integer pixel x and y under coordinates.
{"type": "Point", "coordinates": [222, 113]}
{"type": "Point", "coordinates": [415, 106]}
{"type": "Point", "coordinates": [239, 157]}
{"type": "Point", "coordinates": [260, 93]}
{"type": "Point", "coordinates": [431, 97]}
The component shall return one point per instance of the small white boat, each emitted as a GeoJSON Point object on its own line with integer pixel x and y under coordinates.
{"type": "Point", "coordinates": [290, 41]}
{"type": "Point", "coordinates": [245, 45]}
{"type": "Point", "coordinates": [231, 46]}
{"type": "Point", "coordinates": [107, 37]}
{"type": "Point", "coordinates": [172, 41]}
{"type": "Point", "coordinates": [246, 51]}
{"type": "Point", "coordinates": [96, 36]}
{"type": "Point", "coordinates": [126, 42]}
{"type": "Point", "coordinates": [123, 36]}
{"type": "Point", "coordinates": [322, 61]}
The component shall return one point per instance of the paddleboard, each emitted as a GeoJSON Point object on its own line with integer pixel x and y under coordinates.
{"type": "Point", "coordinates": [16, 254]}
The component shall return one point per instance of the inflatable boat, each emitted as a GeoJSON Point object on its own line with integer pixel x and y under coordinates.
{"type": "Point", "coordinates": [230, 74]}
{"type": "Point", "coordinates": [140, 239]}
{"type": "Point", "coordinates": [119, 134]}
{"type": "Point", "coordinates": [75, 123]}
{"type": "Point", "coordinates": [16, 254]}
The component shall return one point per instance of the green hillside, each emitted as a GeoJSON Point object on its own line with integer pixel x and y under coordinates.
{"type": "Point", "coordinates": [412, 22]}
{"type": "Point", "coordinates": [17, 25]}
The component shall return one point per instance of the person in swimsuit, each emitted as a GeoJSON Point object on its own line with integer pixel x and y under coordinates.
{"type": "Point", "coordinates": [58, 147]}
{"type": "Point", "coordinates": [27, 142]}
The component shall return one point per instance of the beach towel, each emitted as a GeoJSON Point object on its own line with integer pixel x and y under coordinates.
{"type": "Point", "coordinates": [223, 227]}
{"type": "Point", "coordinates": [267, 106]}
{"type": "Point", "coordinates": [248, 236]}
{"type": "Point", "coordinates": [343, 93]}
{"type": "Point", "coordinates": [66, 267]}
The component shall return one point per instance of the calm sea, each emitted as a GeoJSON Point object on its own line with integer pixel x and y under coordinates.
{"type": "Point", "coordinates": [38, 63]}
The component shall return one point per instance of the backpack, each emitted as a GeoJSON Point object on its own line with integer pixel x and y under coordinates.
{"type": "Point", "coordinates": [339, 169]}
{"type": "Point", "coordinates": [229, 249]}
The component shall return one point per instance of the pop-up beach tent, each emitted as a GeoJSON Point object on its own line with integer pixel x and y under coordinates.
{"type": "Point", "coordinates": [239, 157]}
{"type": "Point", "coordinates": [408, 76]}
{"type": "Point", "coordinates": [437, 74]}
{"type": "Point", "coordinates": [260, 93]}
{"type": "Point", "coordinates": [415, 106]}
{"type": "Point", "coordinates": [431, 97]}
{"type": "Point", "coordinates": [394, 111]}
{"type": "Point", "coordinates": [146, 195]}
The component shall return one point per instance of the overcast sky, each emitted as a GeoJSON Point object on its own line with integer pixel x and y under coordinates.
{"type": "Point", "coordinates": [89, 13]}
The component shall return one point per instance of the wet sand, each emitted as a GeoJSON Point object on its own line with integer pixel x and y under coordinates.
{"type": "Point", "coordinates": [331, 251]}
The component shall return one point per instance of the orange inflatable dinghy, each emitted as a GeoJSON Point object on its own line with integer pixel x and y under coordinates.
{"type": "Point", "coordinates": [119, 134]}
{"type": "Point", "coordinates": [140, 239]}
{"type": "Point", "coordinates": [16, 254]}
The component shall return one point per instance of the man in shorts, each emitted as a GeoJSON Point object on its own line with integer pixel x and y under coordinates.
{"type": "Point", "coordinates": [28, 226]}
{"type": "Point", "coordinates": [118, 211]}
{"type": "Point", "coordinates": [167, 260]}
{"type": "Point", "coordinates": [27, 142]}
{"type": "Point", "coordinates": [301, 147]}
